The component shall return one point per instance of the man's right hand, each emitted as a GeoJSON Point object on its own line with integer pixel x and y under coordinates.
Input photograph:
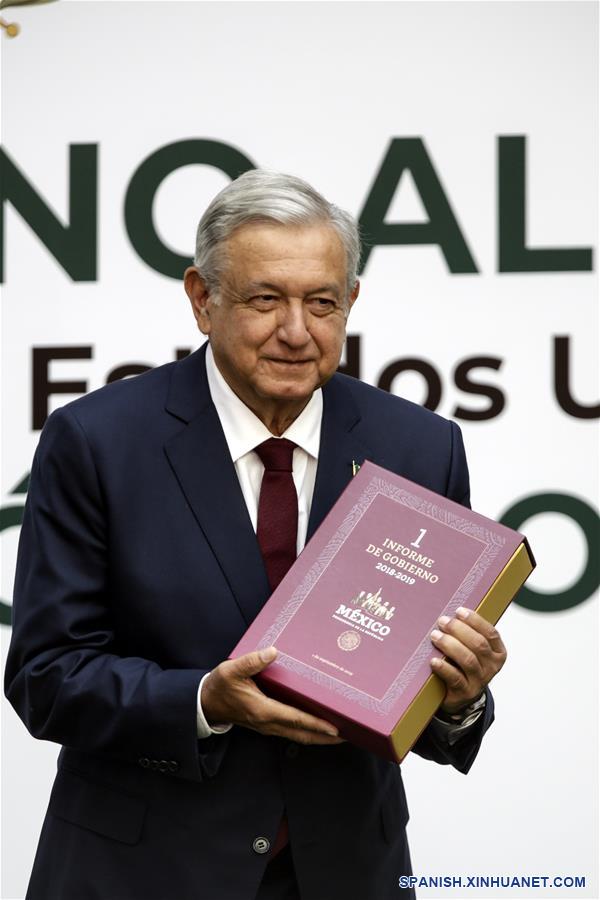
{"type": "Point", "coordinates": [229, 694]}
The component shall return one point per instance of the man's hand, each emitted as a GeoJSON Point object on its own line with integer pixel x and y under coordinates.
{"type": "Point", "coordinates": [474, 654]}
{"type": "Point", "coordinates": [229, 694]}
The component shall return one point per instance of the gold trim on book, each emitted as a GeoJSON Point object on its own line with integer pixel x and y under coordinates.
{"type": "Point", "coordinates": [497, 599]}
{"type": "Point", "coordinates": [509, 581]}
{"type": "Point", "coordinates": [417, 715]}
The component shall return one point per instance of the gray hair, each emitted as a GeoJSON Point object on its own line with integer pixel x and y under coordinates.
{"type": "Point", "coordinates": [259, 195]}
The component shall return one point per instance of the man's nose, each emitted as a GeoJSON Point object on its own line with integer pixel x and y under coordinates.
{"type": "Point", "coordinates": [292, 326]}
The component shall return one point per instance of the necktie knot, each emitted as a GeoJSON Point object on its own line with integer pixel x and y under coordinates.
{"type": "Point", "coordinates": [276, 454]}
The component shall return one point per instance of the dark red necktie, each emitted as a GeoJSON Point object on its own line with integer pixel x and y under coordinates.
{"type": "Point", "coordinates": [277, 531]}
{"type": "Point", "coordinates": [277, 524]}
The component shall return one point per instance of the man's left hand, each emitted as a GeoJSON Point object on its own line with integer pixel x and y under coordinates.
{"type": "Point", "coordinates": [474, 654]}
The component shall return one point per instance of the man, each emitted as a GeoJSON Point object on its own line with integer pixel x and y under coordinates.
{"type": "Point", "coordinates": [143, 560]}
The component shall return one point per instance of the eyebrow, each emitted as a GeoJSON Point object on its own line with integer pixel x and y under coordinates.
{"type": "Point", "coordinates": [276, 289]}
{"type": "Point", "coordinates": [326, 289]}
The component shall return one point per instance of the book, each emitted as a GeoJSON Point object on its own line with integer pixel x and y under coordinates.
{"type": "Point", "coordinates": [352, 618]}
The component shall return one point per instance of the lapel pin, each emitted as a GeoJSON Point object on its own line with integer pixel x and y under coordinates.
{"type": "Point", "coordinates": [355, 468]}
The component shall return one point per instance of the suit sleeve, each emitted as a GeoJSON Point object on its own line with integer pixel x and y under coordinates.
{"type": "Point", "coordinates": [458, 486]}
{"type": "Point", "coordinates": [430, 745]}
{"type": "Point", "coordinates": [65, 675]}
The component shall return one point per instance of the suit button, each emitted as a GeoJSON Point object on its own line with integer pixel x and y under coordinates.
{"type": "Point", "coordinates": [144, 762]}
{"type": "Point", "coordinates": [261, 845]}
{"type": "Point", "coordinates": [292, 751]}
{"type": "Point", "coordinates": [173, 766]}
{"type": "Point", "coordinates": [163, 766]}
{"type": "Point", "coordinates": [154, 764]}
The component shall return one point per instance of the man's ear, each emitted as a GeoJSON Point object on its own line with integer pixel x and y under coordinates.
{"type": "Point", "coordinates": [197, 291]}
{"type": "Point", "coordinates": [353, 294]}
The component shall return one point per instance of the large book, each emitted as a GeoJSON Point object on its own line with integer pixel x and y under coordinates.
{"type": "Point", "coordinates": [352, 618]}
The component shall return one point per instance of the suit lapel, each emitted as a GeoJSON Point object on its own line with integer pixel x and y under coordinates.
{"type": "Point", "coordinates": [201, 461]}
{"type": "Point", "coordinates": [340, 447]}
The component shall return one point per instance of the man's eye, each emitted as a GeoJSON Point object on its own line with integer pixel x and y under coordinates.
{"type": "Point", "coordinates": [265, 298]}
{"type": "Point", "coordinates": [263, 302]}
{"type": "Point", "coordinates": [322, 304]}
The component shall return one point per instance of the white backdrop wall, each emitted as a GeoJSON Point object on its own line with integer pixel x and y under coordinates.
{"type": "Point", "coordinates": [324, 90]}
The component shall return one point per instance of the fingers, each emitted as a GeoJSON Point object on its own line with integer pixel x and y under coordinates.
{"type": "Point", "coordinates": [463, 646]}
{"type": "Point", "coordinates": [469, 640]}
{"type": "Point", "coordinates": [272, 717]}
{"type": "Point", "coordinates": [458, 653]}
{"type": "Point", "coordinates": [229, 690]}
{"type": "Point", "coordinates": [474, 654]}
{"type": "Point", "coordinates": [285, 721]}
{"type": "Point", "coordinates": [230, 694]}
{"type": "Point", "coordinates": [308, 738]}
{"type": "Point", "coordinates": [251, 663]}
{"type": "Point", "coordinates": [483, 627]}
{"type": "Point", "coordinates": [456, 683]}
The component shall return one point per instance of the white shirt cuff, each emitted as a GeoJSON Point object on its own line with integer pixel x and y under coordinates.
{"type": "Point", "coordinates": [204, 729]}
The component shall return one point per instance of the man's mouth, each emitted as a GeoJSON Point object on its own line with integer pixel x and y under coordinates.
{"type": "Point", "coordinates": [291, 362]}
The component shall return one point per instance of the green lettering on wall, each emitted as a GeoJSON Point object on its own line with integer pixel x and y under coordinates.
{"type": "Point", "coordinates": [513, 253]}
{"type": "Point", "coordinates": [12, 517]}
{"type": "Point", "coordinates": [588, 520]}
{"type": "Point", "coordinates": [74, 245]}
{"type": "Point", "coordinates": [146, 181]}
{"type": "Point", "coordinates": [441, 229]}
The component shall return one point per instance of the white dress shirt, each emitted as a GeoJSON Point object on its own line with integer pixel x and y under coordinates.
{"type": "Point", "coordinates": [244, 431]}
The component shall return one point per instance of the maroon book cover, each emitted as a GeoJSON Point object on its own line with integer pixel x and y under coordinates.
{"type": "Point", "coordinates": [353, 616]}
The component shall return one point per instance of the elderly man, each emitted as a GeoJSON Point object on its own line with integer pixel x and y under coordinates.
{"type": "Point", "coordinates": [162, 511]}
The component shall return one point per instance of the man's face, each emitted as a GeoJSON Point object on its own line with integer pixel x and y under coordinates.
{"type": "Point", "coordinates": [278, 327]}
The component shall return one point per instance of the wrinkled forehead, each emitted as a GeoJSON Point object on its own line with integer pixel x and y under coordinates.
{"type": "Point", "coordinates": [259, 251]}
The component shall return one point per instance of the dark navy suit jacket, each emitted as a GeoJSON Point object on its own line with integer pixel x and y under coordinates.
{"type": "Point", "coordinates": [138, 571]}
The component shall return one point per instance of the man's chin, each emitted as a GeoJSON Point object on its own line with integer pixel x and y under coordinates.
{"type": "Point", "coordinates": [288, 388]}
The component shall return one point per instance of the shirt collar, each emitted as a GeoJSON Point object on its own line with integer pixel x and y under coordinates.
{"type": "Point", "coordinates": [244, 431]}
